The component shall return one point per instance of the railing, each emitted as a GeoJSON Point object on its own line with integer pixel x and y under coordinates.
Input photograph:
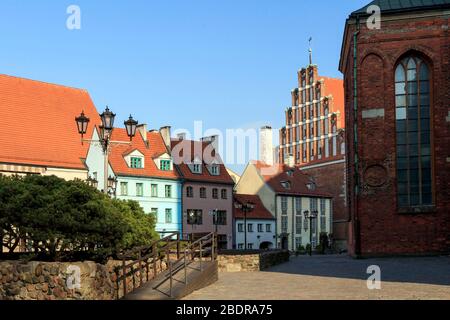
{"type": "Point", "coordinates": [160, 251]}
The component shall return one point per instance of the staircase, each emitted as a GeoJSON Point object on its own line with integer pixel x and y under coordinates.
{"type": "Point", "coordinates": [186, 270]}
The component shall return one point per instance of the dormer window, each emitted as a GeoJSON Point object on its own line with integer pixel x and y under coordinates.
{"type": "Point", "coordinates": [286, 184]}
{"type": "Point", "coordinates": [311, 186]}
{"type": "Point", "coordinates": [136, 162]}
{"type": "Point", "coordinates": [165, 165]}
{"type": "Point", "coordinates": [215, 170]}
{"type": "Point", "coordinates": [197, 168]}
{"type": "Point", "coordinates": [290, 173]}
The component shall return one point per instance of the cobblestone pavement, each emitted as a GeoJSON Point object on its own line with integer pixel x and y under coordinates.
{"type": "Point", "coordinates": [335, 277]}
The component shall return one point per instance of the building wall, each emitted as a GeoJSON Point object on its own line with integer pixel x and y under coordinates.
{"type": "Point", "coordinates": [161, 203]}
{"type": "Point", "coordinates": [378, 226]}
{"type": "Point", "coordinates": [331, 178]}
{"type": "Point", "coordinates": [292, 213]}
{"type": "Point", "coordinates": [207, 205]}
{"type": "Point", "coordinates": [67, 174]}
{"type": "Point", "coordinates": [252, 237]}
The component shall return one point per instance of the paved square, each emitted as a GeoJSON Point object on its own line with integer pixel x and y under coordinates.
{"type": "Point", "coordinates": [335, 277]}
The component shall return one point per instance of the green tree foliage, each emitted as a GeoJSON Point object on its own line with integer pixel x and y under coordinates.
{"type": "Point", "coordinates": [58, 218]}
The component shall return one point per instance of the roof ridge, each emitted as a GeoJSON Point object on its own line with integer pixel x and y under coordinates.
{"type": "Point", "coordinates": [44, 82]}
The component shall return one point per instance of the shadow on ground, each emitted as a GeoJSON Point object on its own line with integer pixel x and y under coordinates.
{"type": "Point", "coordinates": [423, 270]}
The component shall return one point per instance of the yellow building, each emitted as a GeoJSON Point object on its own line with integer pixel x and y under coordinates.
{"type": "Point", "coordinates": [291, 196]}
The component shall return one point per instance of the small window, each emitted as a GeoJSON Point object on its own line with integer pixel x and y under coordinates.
{"type": "Point", "coordinates": [224, 194]}
{"type": "Point", "coordinates": [165, 165]}
{"type": "Point", "coordinates": [268, 227]}
{"type": "Point", "coordinates": [284, 205]}
{"type": "Point", "coordinates": [250, 246]}
{"type": "Point", "coordinates": [124, 188]}
{"type": "Point", "coordinates": [168, 215]}
{"type": "Point", "coordinates": [136, 162]}
{"type": "Point", "coordinates": [189, 192]}
{"type": "Point", "coordinates": [241, 246]}
{"type": "Point", "coordinates": [203, 193]}
{"type": "Point", "coordinates": [260, 227]}
{"type": "Point", "coordinates": [195, 217]}
{"type": "Point", "coordinates": [240, 227]}
{"type": "Point", "coordinates": [139, 189]}
{"type": "Point", "coordinates": [286, 184]}
{"type": "Point", "coordinates": [197, 168]}
{"type": "Point", "coordinates": [154, 189]}
{"type": "Point", "coordinates": [220, 218]}
{"type": "Point", "coordinates": [215, 193]}
{"type": "Point", "coordinates": [215, 170]}
{"type": "Point", "coordinates": [154, 212]}
{"type": "Point", "coordinates": [298, 224]}
{"type": "Point", "coordinates": [284, 224]}
{"type": "Point", "coordinates": [250, 227]}
{"type": "Point", "coordinates": [168, 191]}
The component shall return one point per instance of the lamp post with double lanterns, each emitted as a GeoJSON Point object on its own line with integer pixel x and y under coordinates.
{"type": "Point", "coordinates": [246, 208]}
{"type": "Point", "coordinates": [310, 216]}
{"type": "Point", "coordinates": [106, 129]}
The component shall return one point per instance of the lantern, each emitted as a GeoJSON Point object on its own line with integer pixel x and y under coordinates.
{"type": "Point", "coordinates": [130, 126]}
{"type": "Point", "coordinates": [82, 124]}
{"type": "Point", "coordinates": [107, 119]}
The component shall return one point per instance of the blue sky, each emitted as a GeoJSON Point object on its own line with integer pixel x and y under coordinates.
{"type": "Point", "coordinates": [229, 63]}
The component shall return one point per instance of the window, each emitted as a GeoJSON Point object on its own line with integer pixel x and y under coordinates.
{"type": "Point", "coordinates": [139, 189]}
{"type": "Point", "coordinates": [240, 246]}
{"type": "Point", "coordinates": [215, 170]}
{"type": "Point", "coordinates": [323, 224]}
{"type": "Point", "coordinates": [413, 137]}
{"type": "Point", "coordinates": [215, 193]}
{"type": "Point", "coordinates": [268, 227]}
{"type": "Point", "coordinates": [197, 168]}
{"type": "Point", "coordinates": [189, 192]}
{"type": "Point", "coordinates": [168, 215]}
{"type": "Point", "coordinates": [250, 227]}
{"type": "Point", "coordinates": [298, 224]}
{"type": "Point", "coordinates": [250, 246]}
{"type": "Point", "coordinates": [322, 206]}
{"type": "Point", "coordinates": [124, 188]}
{"type": "Point", "coordinates": [203, 193]}
{"type": "Point", "coordinates": [136, 162]}
{"type": "Point", "coordinates": [298, 206]}
{"type": "Point", "coordinates": [154, 212]}
{"type": "Point", "coordinates": [240, 227]}
{"type": "Point", "coordinates": [165, 165]}
{"type": "Point", "coordinates": [223, 193]}
{"type": "Point", "coordinates": [284, 205]}
{"type": "Point", "coordinates": [284, 224]}
{"type": "Point", "coordinates": [154, 189]}
{"type": "Point", "coordinates": [220, 218]}
{"type": "Point", "coordinates": [260, 227]}
{"type": "Point", "coordinates": [286, 184]}
{"type": "Point", "coordinates": [168, 191]}
{"type": "Point", "coordinates": [194, 216]}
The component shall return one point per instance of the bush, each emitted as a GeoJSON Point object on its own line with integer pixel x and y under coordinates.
{"type": "Point", "coordinates": [59, 218]}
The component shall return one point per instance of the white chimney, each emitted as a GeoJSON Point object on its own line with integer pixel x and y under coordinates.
{"type": "Point", "coordinates": [165, 134]}
{"type": "Point", "coordinates": [266, 151]}
{"type": "Point", "coordinates": [213, 140]}
{"type": "Point", "coordinates": [181, 136]}
{"type": "Point", "coordinates": [142, 128]}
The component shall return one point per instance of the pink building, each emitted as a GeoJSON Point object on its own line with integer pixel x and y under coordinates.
{"type": "Point", "coordinates": [207, 201]}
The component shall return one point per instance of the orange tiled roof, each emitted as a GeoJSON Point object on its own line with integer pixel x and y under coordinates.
{"type": "Point", "coordinates": [199, 149]}
{"type": "Point", "coordinates": [275, 175]}
{"type": "Point", "coordinates": [155, 148]}
{"type": "Point", "coordinates": [38, 123]}
{"type": "Point", "coordinates": [259, 211]}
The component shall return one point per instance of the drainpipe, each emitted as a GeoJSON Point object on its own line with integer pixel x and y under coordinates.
{"type": "Point", "coordinates": [356, 228]}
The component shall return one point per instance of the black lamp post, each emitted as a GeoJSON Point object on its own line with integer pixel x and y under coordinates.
{"type": "Point", "coordinates": [215, 220]}
{"type": "Point", "coordinates": [246, 208]}
{"type": "Point", "coordinates": [112, 185]}
{"type": "Point", "coordinates": [106, 129]}
{"type": "Point", "coordinates": [309, 216]}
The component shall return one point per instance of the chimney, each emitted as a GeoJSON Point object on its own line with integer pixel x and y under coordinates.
{"type": "Point", "coordinates": [289, 161]}
{"type": "Point", "coordinates": [181, 136]}
{"type": "Point", "coordinates": [142, 128]}
{"type": "Point", "coordinates": [165, 134]}
{"type": "Point", "coordinates": [213, 140]}
{"type": "Point", "coordinates": [266, 151]}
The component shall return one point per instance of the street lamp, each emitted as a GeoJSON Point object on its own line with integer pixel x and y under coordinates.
{"type": "Point", "coordinates": [246, 208]}
{"type": "Point", "coordinates": [112, 185]}
{"type": "Point", "coordinates": [214, 214]}
{"type": "Point", "coordinates": [309, 216]}
{"type": "Point", "coordinates": [92, 182]}
{"type": "Point", "coordinates": [106, 129]}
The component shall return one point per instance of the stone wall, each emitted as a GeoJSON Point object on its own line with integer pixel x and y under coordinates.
{"type": "Point", "coordinates": [250, 262]}
{"type": "Point", "coordinates": [57, 281]}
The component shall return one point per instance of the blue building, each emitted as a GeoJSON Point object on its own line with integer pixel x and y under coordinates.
{"type": "Point", "coordinates": [145, 173]}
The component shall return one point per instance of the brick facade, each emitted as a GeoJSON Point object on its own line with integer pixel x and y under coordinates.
{"type": "Point", "coordinates": [379, 226]}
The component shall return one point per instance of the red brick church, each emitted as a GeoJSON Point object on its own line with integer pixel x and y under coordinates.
{"type": "Point", "coordinates": [397, 102]}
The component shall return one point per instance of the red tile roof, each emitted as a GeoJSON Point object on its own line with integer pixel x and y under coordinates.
{"type": "Point", "coordinates": [153, 149]}
{"type": "Point", "coordinates": [189, 150]}
{"type": "Point", "coordinates": [275, 175]}
{"type": "Point", "coordinates": [38, 123]}
{"type": "Point", "coordinates": [259, 212]}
